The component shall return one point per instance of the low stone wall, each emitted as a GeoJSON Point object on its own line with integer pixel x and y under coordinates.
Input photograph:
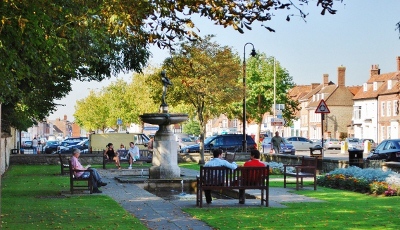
{"type": "Point", "coordinates": [325, 165]}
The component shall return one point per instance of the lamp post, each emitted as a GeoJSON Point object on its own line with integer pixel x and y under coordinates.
{"type": "Point", "coordinates": [253, 53]}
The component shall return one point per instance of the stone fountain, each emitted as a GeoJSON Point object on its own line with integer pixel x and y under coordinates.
{"type": "Point", "coordinates": [165, 147]}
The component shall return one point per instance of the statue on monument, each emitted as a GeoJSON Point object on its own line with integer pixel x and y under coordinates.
{"type": "Point", "coordinates": [166, 82]}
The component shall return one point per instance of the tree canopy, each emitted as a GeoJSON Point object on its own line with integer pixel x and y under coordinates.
{"type": "Point", "coordinates": [44, 45]}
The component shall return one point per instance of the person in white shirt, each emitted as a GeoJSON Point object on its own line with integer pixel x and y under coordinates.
{"type": "Point", "coordinates": [216, 162]}
{"type": "Point", "coordinates": [35, 145]}
{"type": "Point", "coordinates": [134, 154]}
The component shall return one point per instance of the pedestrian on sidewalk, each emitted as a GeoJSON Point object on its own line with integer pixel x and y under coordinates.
{"type": "Point", "coordinates": [276, 142]}
{"type": "Point", "coordinates": [76, 165]}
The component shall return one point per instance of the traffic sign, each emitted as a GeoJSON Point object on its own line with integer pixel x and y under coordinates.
{"type": "Point", "coordinates": [322, 107]}
{"type": "Point", "coordinates": [277, 122]}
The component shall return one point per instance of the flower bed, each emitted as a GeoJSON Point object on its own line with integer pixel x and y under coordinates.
{"type": "Point", "coordinates": [369, 180]}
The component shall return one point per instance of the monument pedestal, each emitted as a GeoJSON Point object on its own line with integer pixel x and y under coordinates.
{"type": "Point", "coordinates": [165, 155]}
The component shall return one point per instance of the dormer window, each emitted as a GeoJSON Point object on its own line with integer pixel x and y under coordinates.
{"type": "Point", "coordinates": [375, 86]}
{"type": "Point", "coordinates": [313, 97]}
{"type": "Point", "coordinates": [365, 87]}
{"type": "Point", "coordinates": [389, 86]}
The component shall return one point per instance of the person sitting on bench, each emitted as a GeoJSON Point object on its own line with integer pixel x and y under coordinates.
{"type": "Point", "coordinates": [76, 165]}
{"type": "Point", "coordinates": [110, 154]}
{"type": "Point", "coordinates": [134, 154]}
{"type": "Point", "coordinates": [216, 162]}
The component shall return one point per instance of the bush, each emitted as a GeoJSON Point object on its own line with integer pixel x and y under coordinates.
{"type": "Point", "coordinates": [276, 168]}
{"type": "Point", "coordinates": [374, 181]}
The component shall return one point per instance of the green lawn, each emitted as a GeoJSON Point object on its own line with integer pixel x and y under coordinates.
{"type": "Point", "coordinates": [31, 200]}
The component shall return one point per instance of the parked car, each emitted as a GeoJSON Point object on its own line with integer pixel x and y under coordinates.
{"type": "Point", "coordinates": [51, 147]}
{"type": "Point", "coordinates": [286, 148]}
{"type": "Point", "coordinates": [332, 143]}
{"type": "Point", "coordinates": [75, 139]}
{"type": "Point", "coordinates": [387, 150]}
{"type": "Point", "coordinates": [27, 145]}
{"type": "Point", "coordinates": [65, 144]}
{"type": "Point", "coordinates": [301, 143]}
{"type": "Point", "coordinates": [373, 143]}
{"type": "Point", "coordinates": [69, 149]}
{"type": "Point", "coordinates": [185, 141]}
{"type": "Point", "coordinates": [353, 143]}
{"type": "Point", "coordinates": [226, 142]}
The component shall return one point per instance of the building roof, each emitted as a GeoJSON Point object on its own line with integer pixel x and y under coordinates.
{"type": "Point", "coordinates": [382, 88]}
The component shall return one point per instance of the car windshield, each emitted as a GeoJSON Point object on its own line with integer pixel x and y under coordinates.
{"type": "Point", "coordinates": [52, 142]}
{"type": "Point", "coordinates": [353, 140]}
{"type": "Point", "coordinates": [186, 139]}
{"type": "Point", "coordinates": [209, 139]}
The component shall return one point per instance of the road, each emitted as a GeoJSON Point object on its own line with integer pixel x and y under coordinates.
{"type": "Point", "coordinates": [333, 154]}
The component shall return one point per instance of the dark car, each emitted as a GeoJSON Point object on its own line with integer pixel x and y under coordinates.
{"type": "Point", "coordinates": [76, 139]}
{"type": "Point", "coordinates": [226, 142]}
{"type": "Point", "coordinates": [388, 150]}
{"type": "Point", "coordinates": [69, 149]}
{"type": "Point", "coordinates": [286, 148]}
{"type": "Point", "coordinates": [51, 147]}
{"type": "Point", "coordinates": [65, 144]}
{"type": "Point", "coordinates": [27, 144]}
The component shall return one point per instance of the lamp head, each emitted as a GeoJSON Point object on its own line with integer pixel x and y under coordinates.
{"type": "Point", "coordinates": [253, 52]}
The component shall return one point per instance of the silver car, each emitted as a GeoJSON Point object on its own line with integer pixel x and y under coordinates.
{"type": "Point", "coordinates": [301, 143]}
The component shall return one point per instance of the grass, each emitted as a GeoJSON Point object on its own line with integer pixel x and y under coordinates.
{"type": "Point", "coordinates": [340, 210]}
{"type": "Point", "coordinates": [31, 199]}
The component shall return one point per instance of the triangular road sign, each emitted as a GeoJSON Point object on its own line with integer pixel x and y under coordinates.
{"type": "Point", "coordinates": [322, 107]}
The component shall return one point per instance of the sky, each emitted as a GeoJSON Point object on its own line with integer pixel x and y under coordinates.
{"type": "Point", "coordinates": [361, 34]}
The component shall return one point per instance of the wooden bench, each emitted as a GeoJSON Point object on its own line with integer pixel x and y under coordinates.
{"type": "Point", "coordinates": [64, 165]}
{"type": "Point", "coordinates": [222, 178]}
{"type": "Point", "coordinates": [145, 157]}
{"type": "Point", "coordinates": [307, 169]}
{"type": "Point", "coordinates": [76, 184]}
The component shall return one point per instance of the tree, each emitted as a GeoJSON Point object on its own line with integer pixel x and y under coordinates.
{"type": "Point", "coordinates": [92, 112]}
{"type": "Point", "coordinates": [260, 90]}
{"type": "Point", "coordinates": [43, 46]}
{"type": "Point", "coordinates": [192, 127]}
{"type": "Point", "coordinates": [204, 77]}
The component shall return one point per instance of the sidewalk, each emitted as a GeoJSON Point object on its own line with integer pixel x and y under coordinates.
{"type": "Point", "coordinates": [157, 213]}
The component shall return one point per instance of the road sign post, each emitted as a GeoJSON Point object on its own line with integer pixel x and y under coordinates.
{"type": "Point", "coordinates": [322, 108]}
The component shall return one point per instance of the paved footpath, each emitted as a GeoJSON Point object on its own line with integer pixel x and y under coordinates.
{"type": "Point", "coordinates": [157, 213]}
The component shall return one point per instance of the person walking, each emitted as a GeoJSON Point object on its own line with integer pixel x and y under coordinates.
{"type": "Point", "coordinates": [216, 162]}
{"type": "Point", "coordinates": [76, 165]}
{"type": "Point", "coordinates": [276, 142]}
{"type": "Point", "coordinates": [35, 143]}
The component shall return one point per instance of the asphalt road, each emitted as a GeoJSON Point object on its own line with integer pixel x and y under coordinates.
{"type": "Point", "coordinates": [334, 154]}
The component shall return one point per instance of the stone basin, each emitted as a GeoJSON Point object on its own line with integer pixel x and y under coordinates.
{"type": "Point", "coordinates": [163, 118]}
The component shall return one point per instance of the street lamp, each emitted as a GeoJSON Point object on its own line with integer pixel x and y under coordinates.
{"type": "Point", "coordinates": [253, 53]}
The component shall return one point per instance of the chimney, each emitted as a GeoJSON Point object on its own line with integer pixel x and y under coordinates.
{"type": "Point", "coordinates": [314, 85]}
{"type": "Point", "coordinates": [341, 76]}
{"type": "Point", "coordinates": [375, 70]}
{"type": "Point", "coordinates": [65, 117]}
{"type": "Point", "coordinates": [398, 63]}
{"type": "Point", "coordinates": [325, 79]}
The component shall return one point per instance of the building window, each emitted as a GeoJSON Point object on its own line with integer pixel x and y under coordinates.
{"type": "Point", "coordinates": [365, 87]}
{"type": "Point", "coordinates": [382, 109]}
{"type": "Point", "coordinates": [389, 85]}
{"type": "Point", "coordinates": [389, 132]}
{"type": "Point", "coordinates": [357, 112]}
{"type": "Point", "coordinates": [389, 108]}
{"type": "Point", "coordinates": [375, 86]}
{"type": "Point", "coordinates": [224, 123]}
{"type": "Point", "coordinates": [235, 122]}
{"type": "Point", "coordinates": [383, 133]}
{"type": "Point", "coordinates": [395, 108]}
